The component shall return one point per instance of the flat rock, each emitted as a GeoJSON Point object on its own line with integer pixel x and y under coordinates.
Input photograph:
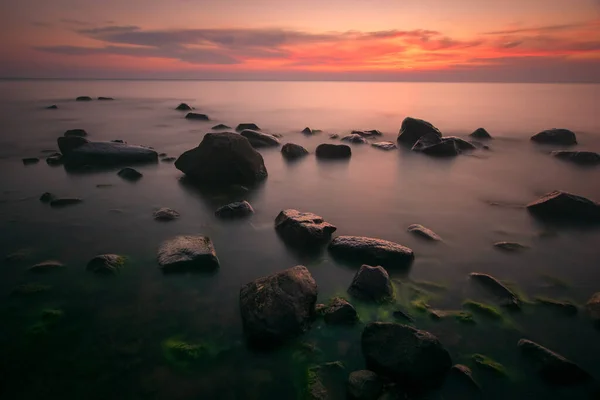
{"type": "Point", "coordinates": [511, 247]}
{"type": "Point", "coordinates": [356, 139]}
{"type": "Point", "coordinates": [279, 306]}
{"type": "Point", "coordinates": [183, 107]}
{"type": "Point", "coordinates": [258, 139]}
{"type": "Point", "coordinates": [291, 151]}
{"type": "Point", "coordinates": [244, 126]}
{"type": "Point", "coordinates": [78, 151]}
{"type": "Point", "coordinates": [130, 174]}
{"type": "Point", "coordinates": [385, 145]}
{"type": "Point", "coordinates": [413, 129]}
{"type": "Point", "coordinates": [105, 98]}
{"type": "Point", "coordinates": [507, 296]}
{"type": "Point", "coordinates": [372, 284]}
{"type": "Point", "coordinates": [83, 98]}
{"type": "Point", "coordinates": [196, 116]}
{"type": "Point", "coordinates": [106, 264]}
{"type": "Point", "coordinates": [578, 157]}
{"type": "Point", "coordinates": [165, 214]}
{"type": "Point", "coordinates": [220, 127]}
{"type": "Point", "coordinates": [364, 385]}
{"type": "Point", "coordinates": [408, 356]}
{"type": "Point", "coordinates": [555, 136]}
{"type": "Point", "coordinates": [333, 151]}
{"type": "Point", "coordinates": [46, 266]}
{"type": "Point", "coordinates": [481, 133]}
{"type": "Point", "coordinates": [65, 201]}
{"type": "Point", "coordinates": [75, 132]}
{"type": "Point", "coordinates": [423, 232]}
{"type": "Point", "coordinates": [30, 160]}
{"type": "Point", "coordinates": [371, 251]}
{"type": "Point", "coordinates": [593, 306]}
{"type": "Point", "coordinates": [187, 254]}
{"type": "Point", "coordinates": [561, 205]}
{"type": "Point", "coordinates": [303, 228]}
{"type": "Point", "coordinates": [238, 209]}
{"type": "Point", "coordinates": [340, 312]}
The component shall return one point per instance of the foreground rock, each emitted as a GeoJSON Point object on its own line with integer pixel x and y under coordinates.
{"type": "Point", "coordinates": [553, 367]}
{"type": "Point", "coordinates": [30, 160]}
{"type": "Point", "coordinates": [593, 306]}
{"type": "Point", "coordinates": [507, 296]}
{"type": "Point", "coordinates": [291, 151]}
{"type": "Point", "coordinates": [303, 229]}
{"type": "Point", "coordinates": [356, 139]}
{"type": "Point", "coordinates": [187, 254]}
{"type": "Point", "coordinates": [258, 139]}
{"type": "Point", "coordinates": [279, 306]}
{"type": "Point", "coordinates": [46, 266]}
{"type": "Point", "coordinates": [165, 214]}
{"type": "Point", "coordinates": [106, 264]}
{"type": "Point", "coordinates": [480, 133]}
{"type": "Point", "coordinates": [406, 355]}
{"type": "Point", "coordinates": [238, 209]}
{"type": "Point", "coordinates": [333, 151]}
{"type": "Point", "coordinates": [220, 127]}
{"type": "Point", "coordinates": [365, 250]}
{"type": "Point", "coordinates": [340, 312]}
{"type": "Point", "coordinates": [413, 129]}
{"type": "Point", "coordinates": [75, 132]}
{"type": "Point", "coordinates": [423, 232]}
{"type": "Point", "coordinates": [434, 146]}
{"type": "Point", "coordinates": [78, 151]}
{"type": "Point", "coordinates": [130, 174]}
{"type": "Point", "coordinates": [561, 205]}
{"type": "Point", "coordinates": [578, 157]}
{"type": "Point", "coordinates": [183, 107]}
{"type": "Point", "coordinates": [364, 385]}
{"type": "Point", "coordinates": [223, 159]}
{"type": "Point", "coordinates": [372, 284]}
{"type": "Point", "coordinates": [555, 136]}
{"type": "Point", "coordinates": [65, 201]}
{"type": "Point", "coordinates": [460, 385]}
{"type": "Point", "coordinates": [196, 116]}
{"type": "Point", "coordinates": [384, 145]}
{"type": "Point", "coordinates": [83, 98]}
{"type": "Point", "coordinates": [244, 126]}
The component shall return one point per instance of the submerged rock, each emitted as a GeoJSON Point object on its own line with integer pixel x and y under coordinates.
{"type": "Point", "coordinates": [565, 206]}
{"type": "Point", "coordinates": [223, 159]}
{"type": "Point", "coordinates": [187, 254]}
{"type": "Point", "coordinates": [423, 232]}
{"type": "Point", "coordinates": [384, 145]}
{"type": "Point", "coordinates": [481, 133]}
{"type": "Point", "coordinates": [293, 151]}
{"type": "Point", "coordinates": [183, 107]}
{"type": "Point", "coordinates": [406, 355]}
{"type": "Point", "coordinates": [563, 306]}
{"type": "Point", "coordinates": [30, 160]}
{"type": "Point", "coordinates": [65, 201]}
{"type": "Point", "coordinates": [220, 127]}
{"type": "Point", "coordinates": [373, 132]}
{"type": "Point", "coordinates": [510, 247]}
{"type": "Point", "coordinates": [279, 306]}
{"type": "Point", "coordinates": [106, 264]}
{"type": "Point", "coordinates": [238, 209]}
{"type": "Point", "coordinates": [75, 132]}
{"type": "Point", "coordinates": [165, 214]}
{"type": "Point", "coordinates": [340, 312]}
{"type": "Point", "coordinates": [364, 385]}
{"type": "Point", "coordinates": [47, 197]}
{"type": "Point", "coordinates": [78, 151]}
{"type": "Point", "coordinates": [334, 136]}
{"type": "Point", "coordinates": [130, 174]}
{"type": "Point", "coordinates": [105, 98]}
{"type": "Point", "coordinates": [413, 129]}
{"type": "Point", "coordinates": [578, 157]}
{"type": "Point", "coordinates": [555, 136]}
{"type": "Point", "coordinates": [507, 296]}
{"type": "Point", "coordinates": [46, 266]}
{"type": "Point", "coordinates": [357, 139]}
{"type": "Point", "coordinates": [372, 284]}
{"type": "Point", "coordinates": [365, 250]}
{"type": "Point", "coordinates": [52, 107]}
{"type": "Point", "coordinates": [244, 126]}
{"type": "Point", "coordinates": [303, 228]}
{"type": "Point", "coordinates": [83, 98]}
{"type": "Point", "coordinates": [553, 367]}
{"type": "Point", "coordinates": [593, 306]}
{"type": "Point", "coordinates": [307, 131]}
{"type": "Point", "coordinates": [333, 151]}
{"type": "Point", "coordinates": [258, 139]}
{"type": "Point", "coordinates": [196, 116]}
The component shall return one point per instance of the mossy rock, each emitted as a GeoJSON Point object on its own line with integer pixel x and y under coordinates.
{"type": "Point", "coordinates": [460, 315]}
{"type": "Point", "coordinates": [488, 364]}
{"type": "Point", "coordinates": [483, 309]}
{"type": "Point", "coordinates": [184, 355]}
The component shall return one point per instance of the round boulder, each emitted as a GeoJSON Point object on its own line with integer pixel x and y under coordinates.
{"type": "Point", "coordinates": [291, 151]}
{"type": "Point", "coordinates": [413, 129]}
{"type": "Point", "coordinates": [333, 151]}
{"type": "Point", "coordinates": [372, 284]}
{"type": "Point", "coordinates": [555, 136]}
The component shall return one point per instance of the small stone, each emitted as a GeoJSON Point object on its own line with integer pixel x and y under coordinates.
{"type": "Point", "coordinates": [293, 151]}
{"type": "Point", "coordinates": [385, 145]}
{"type": "Point", "coordinates": [507, 296]}
{"type": "Point", "coordinates": [166, 214]}
{"type": "Point", "coordinates": [303, 228]}
{"type": "Point", "coordinates": [333, 151]}
{"type": "Point", "coordinates": [334, 136]}
{"type": "Point", "coordinates": [130, 174]}
{"type": "Point", "coordinates": [372, 284]}
{"type": "Point", "coordinates": [481, 133]}
{"type": "Point", "coordinates": [46, 266]}
{"type": "Point", "coordinates": [357, 139]}
{"type": "Point", "coordinates": [244, 126]}
{"type": "Point", "coordinates": [183, 107]}
{"type": "Point", "coordinates": [307, 131]}
{"type": "Point", "coordinates": [403, 315]}
{"type": "Point", "coordinates": [55, 159]}
{"type": "Point", "coordinates": [30, 160]}
{"type": "Point", "coordinates": [237, 209]}
{"type": "Point", "coordinates": [593, 306]}
{"type": "Point", "coordinates": [52, 107]}
{"type": "Point", "coordinates": [162, 154]}
{"type": "Point", "coordinates": [168, 159]}
{"type": "Point", "coordinates": [105, 98]}
{"type": "Point", "coordinates": [106, 264]}
{"type": "Point", "coordinates": [423, 232]}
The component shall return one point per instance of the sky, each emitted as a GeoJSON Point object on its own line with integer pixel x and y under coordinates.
{"type": "Point", "coordinates": [407, 40]}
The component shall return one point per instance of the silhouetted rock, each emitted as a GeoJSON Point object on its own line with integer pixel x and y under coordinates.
{"type": "Point", "coordinates": [333, 151]}
{"type": "Point", "coordinates": [184, 107]}
{"type": "Point", "coordinates": [423, 232]}
{"type": "Point", "coordinates": [303, 228]}
{"type": "Point", "coordinates": [47, 197]}
{"type": "Point", "coordinates": [65, 201]}
{"type": "Point", "coordinates": [258, 139]}
{"type": "Point", "coordinates": [481, 133]}
{"type": "Point", "coordinates": [52, 107]}
{"type": "Point", "coordinates": [293, 151]}
{"type": "Point", "coordinates": [564, 307]}
{"type": "Point", "coordinates": [106, 264]}
{"type": "Point", "coordinates": [357, 139]}
{"type": "Point", "coordinates": [247, 125]}
{"type": "Point", "coordinates": [507, 297]}
{"type": "Point", "coordinates": [78, 151]}
{"type": "Point", "coordinates": [593, 306]}
{"type": "Point", "coordinates": [187, 254]}
{"type": "Point", "coordinates": [130, 174]}
{"type": "Point", "coordinates": [364, 385]}
{"type": "Point", "coordinates": [384, 145]}
{"type": "Point", "coordinates": [427, 140]}
{"type": "Point", "coordinates": [334, 136]}
{"type": "Point", "coordinates": [307, 131]}
{"type": "Point", "coordinates": [279, 306]}
{"type": "Point", "coordinates": [555, 136]}
{"type": "Point", "coordinates": [372, 284]}
{"type": "Point", "coordinates": [413, 129]}
{"type": "Point", "coordinates": [578, 157]}
{"type": "Point", "coordinates": [118, 141]}
{"type": "Point", "coordinates": [84, 98]}
{"type": "Point", "coordinates": [196, 116]}
{"type": "Point", "coordinates": [561, 205]}
{"type": "Point", "coordinates": [365, 250]}
{"type": "Point", "coordinates": [75, 132]}
{"type": "Point", "coordinates": [220, 127]}
{"type": "Point", "coordinates": [165, 214]}
{"type": "Point", "coordinates": [30, 160]}
{"type": "Point", "coordinates": [105, 98]}
{"type": "Point", "coordinates": [340, 312]}
{"type": "Point", "coordinates": [238, 209]}
{"type": "Point", "coordinates": [510, 247]}
{"type": "Point", "coordinates": [223, 159]}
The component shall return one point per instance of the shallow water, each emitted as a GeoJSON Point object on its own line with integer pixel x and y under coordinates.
{"type": "Point", "coordinates": [110, 340]}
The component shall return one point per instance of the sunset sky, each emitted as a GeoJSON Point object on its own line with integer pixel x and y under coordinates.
{"type": "Point", "coordinates": [437, 40]}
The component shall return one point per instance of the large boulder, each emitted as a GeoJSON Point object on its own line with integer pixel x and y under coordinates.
{"type": "Point", "coordinates": [507, 297]}
{"type": "Point", "coordinates": [78, 151]}
{"type": "Point", "coordinates": [365, 250]}
{"type": "Point", "coordinates": [555, 136]}
{"type": "Point", "coordinates": [364, 385]}
{"type": "Point", "coordinates": [258, 139]}
{"type": "Point", "coordinates": [413, 129]}
{"type": "Point", "coordinates": [291, 151]}
{"type": "Point", "coordinates": [561, 205]}
{"type": "Point", "coordinates": [303, 228]}
{"type": "Point", "coordinates": [406, 355]}
{"type": "Point", "coordinates": [279, 306]}
{"type": "Point", "coordinates": [223, 159]}
{"type": "Point", "coordinates": [354, 138]}
{"type": "Point", "coordinates": [244, 126]}
{"type": "Point", "coordinates": [372, 284]}
{"type": "Point", "coordinates": [481, 133]}
{"type": "Point", "coordinates": [578, 157]}
{"type": "Point", "coordinates": [187, 254]}
{"type": "Point", "coordinates": [333, 151]}
{"type": "Point", "coordinates": [593, 306]}
{"type": "Point", "coordinates": [552, 366]}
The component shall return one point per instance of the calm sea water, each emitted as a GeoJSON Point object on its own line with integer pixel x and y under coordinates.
{"type": "Point", "coordinates": [110, 341]}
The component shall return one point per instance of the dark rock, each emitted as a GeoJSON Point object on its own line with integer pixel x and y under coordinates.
{"type": "Point", "coordinates": [168, 159]}
{"type": "Point", "coordinates": [372, 284]}
{"type": "Point", "coordinates": [357, 139]}
{"type": "Point", "coordinates": [460, 385]}
{"type": "Point", "coordinates": [244, 126]}
{"type": "Point", "coordinates": [187, 254]}
{"type": "Point", "coordinates": [30, 160]}
{"type": "Point", "coordinates": [553, 367]}
{"type": "Point", "coordinates": [47, 197]}
{"type": "Point", "coordinates": [130, 174]}
{"type": "Point", "coordinates": [75, 132]}
{"type": "Point", "coordinates": [303, 228]}
{"type": "Point", "coordinates": [292, 151]}
{"type": "Point", "coordinates": [340, 312]}
{"type": "Point", "coordinates": [593, 306]}
{"type": "Point", "coordinates": [564, 306]}
{"type": "Point", "coordinates": [279, 306]}
{"type": "Point", "coordinates": [118, 141]}
{"type": "Point", "coordinates": [384, 145]}
{"type": "Point", "coordinates": [481, 133]}
{"type": "Point", "coordinates": [46, 266]}
{"type": "Point", "coordinates": [183, 107]}
{"type": "Point", "coordinates": [162, 154]}
{"type": "Point", "coordinates": [555, 136]}
{"type": "Point", "coordinates": [107, 264]}
{"type": "Point", "coordinates": [67, 144]}
{"type": "Point", "coordinates": [371, 251]}
{"type": "Point", "coordinates": [561, 205]}
{"type": "Point", "coordinates": [413, 129]}
{"type": "Point", "coordinates": [334, 136]}
{"type": "Point", "coordinates": [578, 157]}
{"type": "Point", "coordinates": [426, 140]}
{"type": "Point", "coordinates": [370, 133]}
{"type": "Point", "coordinates": [238, 209]}
{"type": "Point", "coordinates": [461, 144]}
{"type": "Point", "coordinates": [404, 354]}
{"type": "Point", "coordinates": [165, 214]}
{"type": "Point", "coordinates": [201, 117]}
{"type": "Point", "coordinates": [84, 98]}
{"type": "Point", "coordinates": [511, 247]}
{"type": "Point", "coordinates": [224, 159]}
{"type": "Point", "coordinates": [105, 98]}
{"type": "Point", "coordinates": [507, 296]}
{"type": "Point", "coordinates": [333, 151]}
{"type": "Point", "coordinates": [52, 107]}
{"type": "Point", "coordinates": [78, 151]}
{"type": "Point", "coordinates": [307, 131]}
{"type": "Point", "coordinates": [220, 127]}
{"type": "Point", "coordinates": [403, 315]}
{"type": "Point", "coordinates": [364, 385]}
{"type": "Point", "coordinates": [258, 139]}
{"type": "Point", "coordinates": [423, 232]}
{"type": "Point", "coordinates": [65, 201]}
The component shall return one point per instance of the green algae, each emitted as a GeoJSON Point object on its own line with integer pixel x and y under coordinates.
{"type": "Point", "coordinates": [184, 355]}
{"type": "Point", "coordinates": [483, 309]}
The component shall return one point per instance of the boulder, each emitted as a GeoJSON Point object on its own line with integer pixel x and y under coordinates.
{"type": "Point", "coordinates": [291, 151]}
{"type": "Point", "coordinates": [30, 160]}
{"type": "Point", "coordinates": [183, 107]}
{"type": "Point", "coordinates": [460, 385]}
{"type": "Point", "coordinates": [333, 151]}
{"type": "Point", "coordinates": [365, 250]}
{"type": "Point", "coordinates": [47, 197]}
{"type": "Point", "coordinates": [106, 264]}
{"type": "Point", "coordinates": [220, 127]}
{"type": "Point", "coordinates": [364, 385]}
{"type": "Point", "coordinates": [52, 107]}
{"type": "Point", "coordinates": [413, 129]}
{"type": "Point", "coordinates": [303, 228]}
{"type": "Point", "coordinates": [83, 98]}
{"type": "Point", "coordinates": [78, 151]}
{"type": "Point", "coordinates": [427, 140]}
{"type": "Point", "coordinates": [130, 174]}
{"type": "Point", "coordinates": [372, 284]}
{"type": "Point", "coordinates": [423, 232]}
{"type": "Point", "coordinates": [384, 145]}
{"type": "Point", "coordinates": [559, 205]}
{"type": "Point", "coordinates": [508, 297]}
{"type": "Point", "coordinates": [555, 136]}
{"type": "Point", "coordinates": [373, 132]}
{"type": "Point", "coordinates": [481, 133]}
{"type": "Point", "coordinates": [46, 266]}
{"type": "Point", "coordinates": [593, 306]}
{"type": "Point", "coordinates": [357, 139]}
{"type": "Point", "coordinates": [340, 312]}
{"type": "Point", "coordinates": [258, 139]}
{"type": "Point", "coordinates": [408, 356]}
{"type": "Point", "coordinates": [105, 98]}
{"type": "Point", "coordinates": [196, 116]}
{"type": "Point", "coordinates": [553, 367]}
{"type": "Point", "coordinates": [65, 201]}
{"type": "Point", "coordinates": [244, 126]}
{"type": "Point", "coordinates": [165, 214]}
{"type": "Point", "coordinates": [578, 157]}
{"type": "Point", "coordinates": [187, 254]}
{"type": "Point", "coordinates": [223, 159]}
{"type": "Point", "coordinates": [238, 209]}
{"type": "Point", "coordinates": [279, 306]}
